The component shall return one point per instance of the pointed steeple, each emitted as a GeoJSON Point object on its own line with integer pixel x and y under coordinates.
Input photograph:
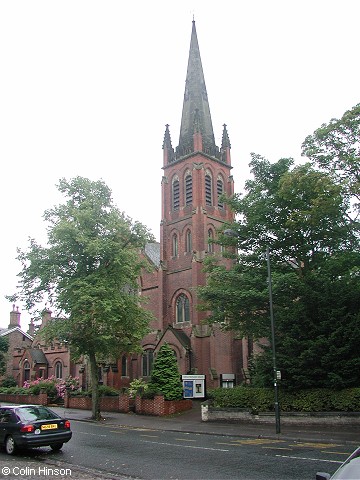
{"type": "Point", "coordinates": [169, 155]}
{"type": "Point", "coordinates": [225, 146]}
{"type": "Point", "coordinates": [196, 116]}
{"type": "Point", "coordinates": [225, 138]}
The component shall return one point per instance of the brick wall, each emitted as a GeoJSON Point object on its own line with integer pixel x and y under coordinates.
{"type": "Point", "coordinates": [107, 404]}
{"type": "Point", "coordinates": [40, 399]}
{"type": "Point", "coordinates": [159, 407]}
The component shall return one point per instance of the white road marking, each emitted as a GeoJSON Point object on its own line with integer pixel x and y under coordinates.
{"type": "Point", "coordinates": [186, 446]}
{"type": "Point", "coordinates": [308, 458]}
{"type": "Point", "coordinates": [93, 434]}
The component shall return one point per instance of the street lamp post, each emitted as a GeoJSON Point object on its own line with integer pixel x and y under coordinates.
{"type": "Point", "coordinates": [232, 233]}
{"type": "Point", "coordinates": [277, 409]}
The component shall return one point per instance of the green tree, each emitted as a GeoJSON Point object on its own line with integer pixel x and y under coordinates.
{"type": "Point", "coordinates": [165, 376]}
{"type": "Point", "coordinates": [335, 148]}
{"type": "Point", "coordinates": [299, 214]}
{"type": "Point", "coordinates": [4, 346]}
{"type": "Point", "coordinates": [89, 273]}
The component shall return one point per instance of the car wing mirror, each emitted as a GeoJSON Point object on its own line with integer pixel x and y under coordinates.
{"type": "Point", "coordinates": [322, 476]}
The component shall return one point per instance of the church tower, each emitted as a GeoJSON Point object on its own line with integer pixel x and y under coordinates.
{"type": "Point", "coordinates": [195, 176]}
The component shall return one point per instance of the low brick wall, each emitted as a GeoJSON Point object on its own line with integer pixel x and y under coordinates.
{"type": "Point", "coordinates": [22, 399]}
{"type": "Point", "coordinates": [212, 414]}
{"type": "Point", "coordinates": [107, 404]}
{"type": "Point", "coordinates": [160, 407]}
{"type": "Point", "coordinates": [156, 407]}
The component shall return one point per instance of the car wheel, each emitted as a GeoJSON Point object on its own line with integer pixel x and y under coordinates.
{"type": "Point", "coordinates": [56, 446]}
{"type": "Point", "coordinates": [10, 446]}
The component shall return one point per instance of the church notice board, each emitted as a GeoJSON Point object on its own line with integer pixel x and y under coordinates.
{"type": "Point", "coordinates": [194, 386]}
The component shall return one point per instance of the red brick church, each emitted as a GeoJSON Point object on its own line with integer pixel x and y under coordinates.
{"type": "Point", "coordinates": [195, 175]}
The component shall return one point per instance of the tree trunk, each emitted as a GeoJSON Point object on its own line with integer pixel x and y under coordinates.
{"type": "Point", "coordinates": [95, 403]}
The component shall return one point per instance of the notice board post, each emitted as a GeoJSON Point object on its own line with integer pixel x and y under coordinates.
{"type": "Point", "coordinates": [194, 386]}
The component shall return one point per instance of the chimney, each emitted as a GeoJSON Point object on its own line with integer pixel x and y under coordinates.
{"type": "Point", "coordinates": [14, 318]}
{"type": "Point", "coordinates": [46, 316]}
{"type": "Point", "coordinates": [31, 329]}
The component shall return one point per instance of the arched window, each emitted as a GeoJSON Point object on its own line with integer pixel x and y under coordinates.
{"type": "Point", "coordinates": [26, 371]}
{"type": "Point", "coordinates": [188, 189]}
{"type": "Point", "coordinates": [175, 194]}
{"type": "Point", "coordinates": [208, 189]}
{"type": "Point", "coordinates": [182, 309]}
{"type": "Point", "coordinates": [147, 362]}
{"type": "Point", "coordinates": [58, 369]}
{"type": "Point", "coordinates": [175, 245]}
{"type": "Point", "coordinates": [188, 241]}
{"type": "Point", "coordinates": [210, 246]}
{"type": "Point", "coordinates": [124, 366]}
{"type": "Point", "coordinates": [220, 191]}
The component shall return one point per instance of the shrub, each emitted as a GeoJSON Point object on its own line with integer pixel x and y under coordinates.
{"type": "Point", "coordinates": [9, 382]}
{"type": "Point", "coordinates": [165, 376]}
{"type": "Point", "coordinates": [137, 387]}
{"type": "Point", "coordinates": [150, 392]}
{"type": "Point", "coordinates": [13, 390]}
{"type": "Point", "coordinates": [253, 399]}
{"type": "Point", "coordinates": [47, 387]}
{"type": "Point", "coordinates": [72, 383]}
{"type": "Point", "coordinates": [80, 393]}
{"type": "Point", "coordinates": [347, 400]}
{"type": "Point", "coordinates": [105, 391]}
{"type": "Point", "coordinates": [262, 399]}
{"type": "Point", "coordinates": [54, 387]}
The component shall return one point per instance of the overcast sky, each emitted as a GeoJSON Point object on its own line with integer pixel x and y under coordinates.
{"type": "Point", "coordinates": [86, 88]}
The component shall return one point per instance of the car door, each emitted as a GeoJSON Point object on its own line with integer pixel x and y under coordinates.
{"type": "Point", "coordinates": [5, 419]}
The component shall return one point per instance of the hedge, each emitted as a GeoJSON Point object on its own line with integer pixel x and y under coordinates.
{"type": "Point", "coordinates": [262, 399]}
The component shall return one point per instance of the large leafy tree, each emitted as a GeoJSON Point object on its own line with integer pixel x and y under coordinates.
{"type": "Point", "coordinates": [298, 214]}
{"type": "Point", "coordinates": [335, 148]}
{"type": "Point", "coordinates": [88, 273]}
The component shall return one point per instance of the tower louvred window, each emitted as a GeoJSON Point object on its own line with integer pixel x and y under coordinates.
{"type": "Point", "coordinates": [188, 190]}
{"type": "Point", "coordinates": [208, 189]}
{"type": "Point", "coordinates": [176, 194]}
{"type": "Point", "coordinates": [220, 191]}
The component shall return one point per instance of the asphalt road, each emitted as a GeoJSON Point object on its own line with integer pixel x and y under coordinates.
{"type": "Point", "coordinates": [110, 451]}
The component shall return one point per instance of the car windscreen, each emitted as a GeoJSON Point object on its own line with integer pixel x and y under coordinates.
{"type": "Point", "coordinates": [33, 413]}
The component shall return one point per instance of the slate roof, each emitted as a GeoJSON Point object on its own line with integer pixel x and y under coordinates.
{"type": "Point", "coordinates": [180, 335]}
{"type": "Point", "coordinates": [7, 331]}
{"type": "Point", "coordinates": [196, 110]}
{"type": "Point", "coordinates": [37, 355]}
{"type": "Point", "coordinates": [152, 251]}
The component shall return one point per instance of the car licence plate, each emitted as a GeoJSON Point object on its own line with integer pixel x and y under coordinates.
{"type": "Point", "coordinates": [49, 426]}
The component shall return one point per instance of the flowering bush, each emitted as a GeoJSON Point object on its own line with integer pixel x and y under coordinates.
{"type": "Point", "coordinates": [137, 386]}
{"type": "Point", "coordinates": [54, 387]}
{"type": "Point", "coordinates": [72, 383]}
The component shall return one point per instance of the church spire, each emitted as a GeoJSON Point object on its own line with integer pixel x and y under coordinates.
{"type": "Point", "coordinates": [196, 116]}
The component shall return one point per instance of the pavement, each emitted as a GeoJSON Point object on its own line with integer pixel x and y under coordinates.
{"type": "Point", "coordinates": [190, 421]}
